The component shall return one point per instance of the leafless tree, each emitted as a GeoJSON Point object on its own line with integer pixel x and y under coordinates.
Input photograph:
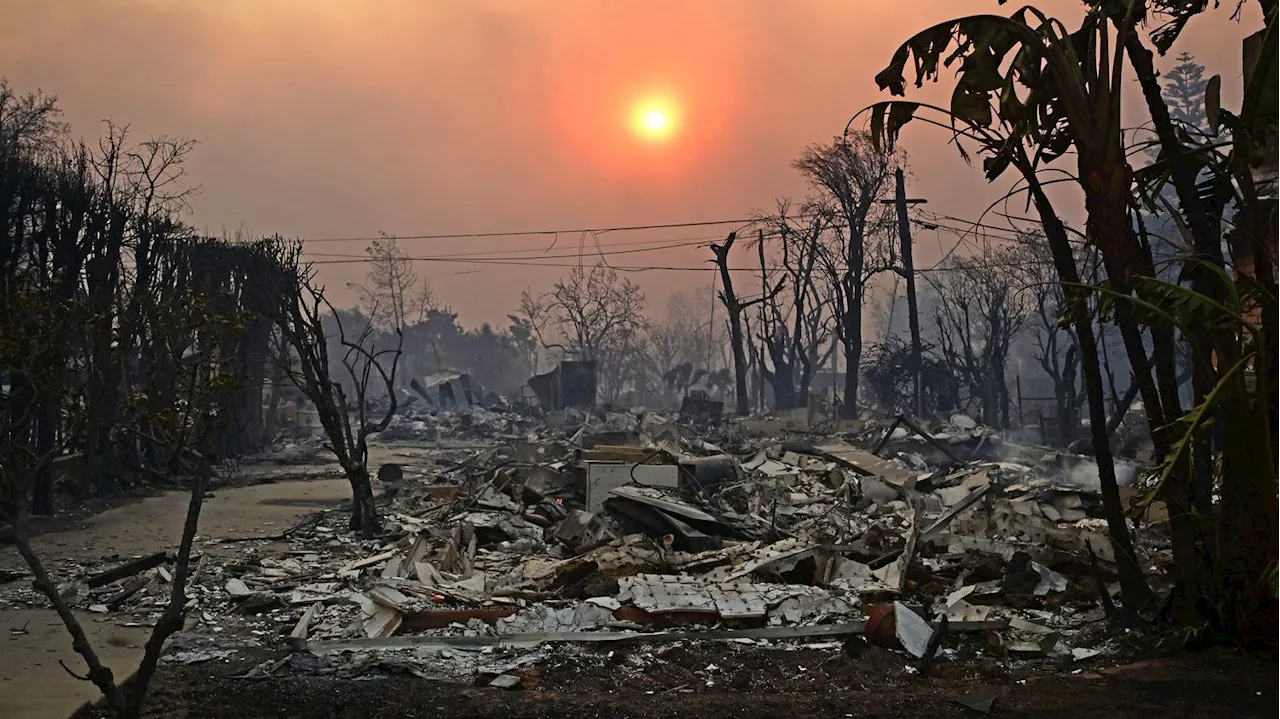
{"type": "Point", "coordinates": [594, 307]}
{"type": "Point", "coordinates": [684, 342]}
{"type": "Point", "coordinates": [852, 175]}
{"type": "Point", "coordinates": [735, 307]}
{"type": "Point", "coordinates": [122, 336]}
{"type": "Point", "coordinates": [981, 306]}
{"type": "Point", "coordinates": [794, 325]}
{"type": "Point", "coordinates": [342, 403]}
{"type": "Point", "coordinates": [591, 314]}
{"type": "Point", "coordinates": [389, 297]}
{"type": "Point", "coordinates": [30, 124]}
{"type": "Point", "coordinates": [425, 301]}
{"type": "Point", "coordinates": [1056, 348]}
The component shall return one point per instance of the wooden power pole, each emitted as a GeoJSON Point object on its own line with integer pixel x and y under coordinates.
{"type": "Point", "coordinates": [908, 272]}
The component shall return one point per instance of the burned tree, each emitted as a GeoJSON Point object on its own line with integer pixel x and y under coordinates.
{"type": "Point", "coordinates": [979, 311]}
{"type": "Point", "coordinates": [853, 174]}
{"type": "Point", "coordinates": [737, 335]}
{"type": "Point", "coordinates": [1057, 349]}
{"type": "Point", "coordinates": [342, 403]}
{"type": "Point", "coordinates": [388, 300]}
{"type": "Point", "coordinates": [595, 315]}
{"type": "Point", "coordinates": [124, 338]}
{"type": "Point", "coordinates": [888, 374]}
{"type": "Point", "coordinates": [681, 346]}
{"type": "Point", "coordinates": [793, 324]}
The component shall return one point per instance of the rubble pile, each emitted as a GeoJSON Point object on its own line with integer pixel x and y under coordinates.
{"type": "Point", "coordinates": [625, 527]}
{"type": "Point", "coordinates": [496, 422]}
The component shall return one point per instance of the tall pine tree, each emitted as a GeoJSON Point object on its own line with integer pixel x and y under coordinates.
{"type": "Point", "coordinates": [1184, 87]}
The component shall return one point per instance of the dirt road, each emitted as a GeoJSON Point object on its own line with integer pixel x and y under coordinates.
{"type": "Point", "coordinates": [32, 684]}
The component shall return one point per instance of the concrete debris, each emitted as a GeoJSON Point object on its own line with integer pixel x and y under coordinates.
{"type": "Point", "coordinates": [196, 656]}
{"type": "Point", "coordinates": [683, 594]}
{"type": "Point", "coordinates": [237, 588]}
{"type": "Point", "coordinates": [559, 523]}
{"type": "Point", "coordinates": [505, 681]}
{"type": "Point", "coordinates": [550, 618]}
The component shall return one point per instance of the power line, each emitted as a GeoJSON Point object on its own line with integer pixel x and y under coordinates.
{"type": "Point", "coordinates": [526, 233]}
{"type": "Point", "coordinates": [522, 262]}
{"type": "Point", "coordinates": [534, 260]}
{"type": "Point", "coordinates": [535, 252]}
{"type": "Point", "coordinates": [746, 222]}
{"type": "Point", "coordinates": [1010, 230]}
{"type": "Point", "coordinates": [524, 258]}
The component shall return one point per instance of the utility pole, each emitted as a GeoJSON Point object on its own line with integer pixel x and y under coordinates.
{"type": "Point", "coordinates": [908, 272]}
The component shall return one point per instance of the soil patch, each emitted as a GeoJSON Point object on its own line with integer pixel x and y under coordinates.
{"type": "Point", "coordinates": [749, 683]}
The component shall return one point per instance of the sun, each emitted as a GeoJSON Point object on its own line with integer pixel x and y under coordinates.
{"type": "Point", "coordinates": [654, 119]}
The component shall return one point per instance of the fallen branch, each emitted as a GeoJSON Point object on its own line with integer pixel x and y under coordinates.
{"type": "Point", "coordinates": [128, 569]}
{"type": "Point", "coordinates": [128, 590]}
{"type": "Point", "coordinates": [310, 521]}
{"type": "Point", "coordinates": [887, 436]}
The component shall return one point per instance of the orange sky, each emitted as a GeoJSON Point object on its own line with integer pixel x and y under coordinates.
{"type": "Point", "coordinates": [339, 118]}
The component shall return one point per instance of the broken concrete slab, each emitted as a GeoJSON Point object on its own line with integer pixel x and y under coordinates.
{"type": "Point", "coordinates": [505, 681]}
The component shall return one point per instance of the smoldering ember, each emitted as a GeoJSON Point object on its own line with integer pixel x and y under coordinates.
{"type": "Point", "coordinates": [825, 470]}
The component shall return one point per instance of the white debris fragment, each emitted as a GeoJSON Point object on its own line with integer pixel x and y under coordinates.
{"type": "Point", "coordinates": [913, 631]}
{"type": "Point", "coordinates": [237, 588]}
{"type": "Point", "coordinates": [1051, 582]}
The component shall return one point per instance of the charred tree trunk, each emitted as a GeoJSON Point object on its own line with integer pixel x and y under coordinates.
{"type": "Point", "coordinates": [1208, 250]}
{"type": "Point", "coordinates": [1106, 201]}
{"type": "Point", "coordinates": [46, 436]}
{"type": "Point", "coordinates": [784, 388]}
{"type": "Point", "coordinates": [737, 337]}
{"type": "Point", "coordinates": [102, 390]}
{"type": "Point", "coordinates": [1069, 402]}
{"type": "Point", "coordinates": [364, 514]}
{"type": "Point", "coordinates": [1135, 593]}
{"type": "Point", "coordinates": [254, 348]}
{"type": "Point", "coordinates": [301, 308]}
{"type": "Point", "coordinates": [851, 342]}
{"type": "Point", "coordinates": [280, 354]}
{"type": "Point", "coordinates": [737, 340]}
{"type": "Point", "coordinates": [994, 372]}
